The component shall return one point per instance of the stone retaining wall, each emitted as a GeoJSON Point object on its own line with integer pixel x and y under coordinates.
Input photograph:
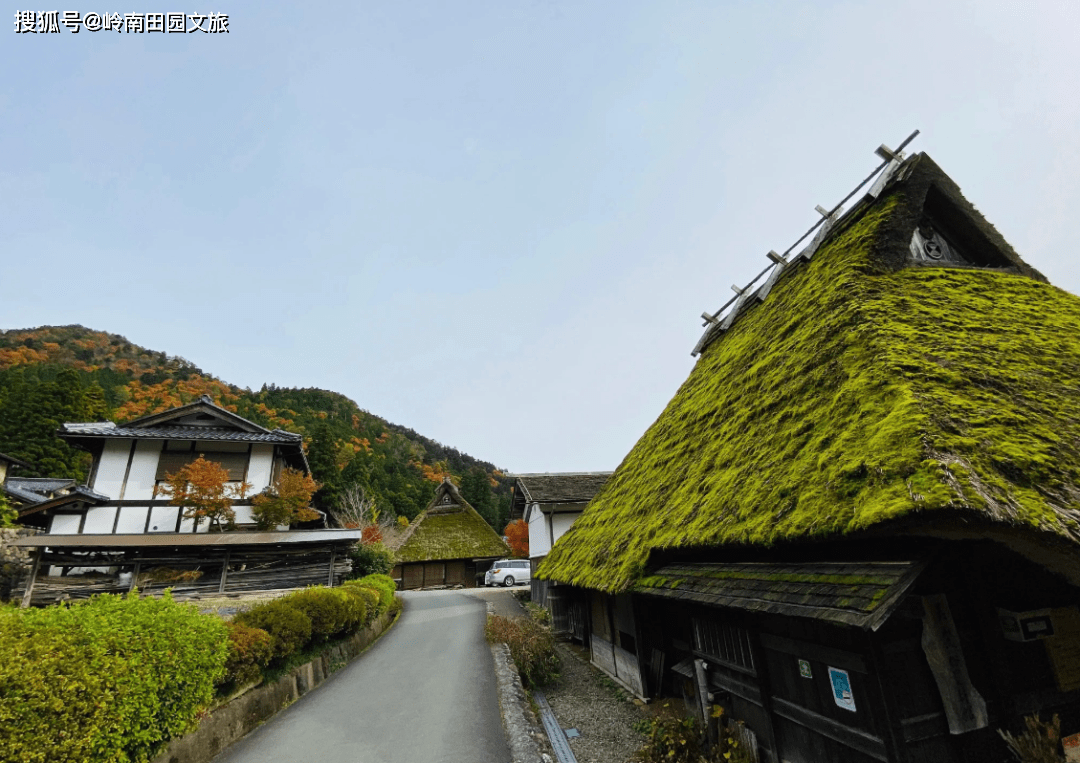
{"type": "Point", "coordinates": [239, 716]}
{"type": "Point", "coordinates": [14, 562]}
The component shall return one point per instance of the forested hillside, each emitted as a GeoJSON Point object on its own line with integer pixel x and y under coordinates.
{"type": "Point", "coordinates": [54, 374]}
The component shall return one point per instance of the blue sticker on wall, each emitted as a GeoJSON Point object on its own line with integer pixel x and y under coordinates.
{"type": "Point", "coordinates": [841, 689]}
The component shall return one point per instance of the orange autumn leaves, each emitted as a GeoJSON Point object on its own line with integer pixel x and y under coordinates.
{"type": "Point", "coordinates": [517, 537]}
{"type": "Point", "coordinates": [203, 491]}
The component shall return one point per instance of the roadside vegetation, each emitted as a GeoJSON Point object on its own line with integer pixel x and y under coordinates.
{"type": "Point", "coordinates": [113, 679]}
{"type": "Point", "coordinates": [532, 647]}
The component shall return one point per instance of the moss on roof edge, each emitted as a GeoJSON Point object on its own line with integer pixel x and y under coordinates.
{"type": "Point", "coordinates": [855, 395]}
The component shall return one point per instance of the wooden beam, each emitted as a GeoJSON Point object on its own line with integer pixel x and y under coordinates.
{"type": "Point", "coordinates": [225, 572]}
{"type": "Point", "coordinates": [135, 576]}
{"type": "Point", "coordinates": [29, 592]}
{"type": "Point", "coordinates": [330, 577]}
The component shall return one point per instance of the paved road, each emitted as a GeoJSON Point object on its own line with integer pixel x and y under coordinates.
{"type": "Point", "coordinates": [425, 693]}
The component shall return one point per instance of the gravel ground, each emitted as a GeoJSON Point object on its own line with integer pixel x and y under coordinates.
{"type": "Point", "coordinates": [589, 701]}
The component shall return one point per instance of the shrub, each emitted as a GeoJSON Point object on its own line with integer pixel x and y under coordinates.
{"type": "Point", "coordinates": [532, 648]}
{"type": "Point", "coordinates": [673, 738]}
{"type": "Point", "coordinates": [356, 608]}
{"type": "Point", "coordinates": [538, 613]}
{"type": "Point", "coordinates": [370, 559]}
{"type": "Point", "coordinates": [250, 650]}
{"type": "Point", "coordinates": [1039, 742]}
{"type": "Point", "coordinates": [111, 679]}
{"type": "Point", "coordinates": [289, 628]}
{"type": "Point", "coordinates": [383, 584]}
{"type": "Point", "coordinates": [369, 597]}
{"type": "Point", "coordinates": [328, 612]}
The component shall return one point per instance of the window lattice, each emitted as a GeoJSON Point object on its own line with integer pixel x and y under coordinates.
{"type": "Point", "coordinates": [726, 643]}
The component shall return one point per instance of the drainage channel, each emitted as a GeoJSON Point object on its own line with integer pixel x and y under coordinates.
{"type": "Point", "coordinates": [555, 733]}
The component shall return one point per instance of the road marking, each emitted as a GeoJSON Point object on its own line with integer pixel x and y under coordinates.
{"type": "Point", "coordinates": [559, 742]}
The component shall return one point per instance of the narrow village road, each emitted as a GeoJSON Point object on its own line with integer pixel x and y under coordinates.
{"type": "Point", "coordinates": [425, 693]}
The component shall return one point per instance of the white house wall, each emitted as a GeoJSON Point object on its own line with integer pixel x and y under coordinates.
{"type": "Point", "coordinates": [65, 524]}
{"type": "Point", "coordinates": [260, 468]}
{"type": "Point", "coordinates": [538, 532]}
{"type": "Point", "coordinates": [132, 519]}
{"type": "Point", "coordinates": [163, 519]}
{"type": "Point", "coordinates": [560, 523]}
{"type": "Point", "coordinates": [110, 470]}
{"type": "Point", "coordinates": [100, 519]}
{"type": "Point", "coordinates": [141, 477]}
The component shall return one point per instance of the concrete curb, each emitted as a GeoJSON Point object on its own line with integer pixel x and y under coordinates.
{"type": "Point", "coordinates": [519, 722]}
{"type": "Point", "coordinates": [514, 705]}
{"type": "Point", "coordinates": [235, 719]}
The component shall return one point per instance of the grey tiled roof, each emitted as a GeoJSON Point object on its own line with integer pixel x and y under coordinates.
{"type": "Point", "coordinates": [854, 593]}
{"type": "Point", "coordinates": [569, 487]}
{"type": "Point", "coordinates": [21, 494]}
{"type": "Point", "coordinates": [43, 485]}
{"type": "Point", "coordinates": [108, 429]}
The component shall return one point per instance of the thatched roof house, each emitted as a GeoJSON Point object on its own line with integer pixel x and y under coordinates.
{"type": "Point", "coordinates": [890, 425]}
{"type": "Point", "coordinates": [447, 544]}
{"type": "Point", "coordinates": [865, 394]}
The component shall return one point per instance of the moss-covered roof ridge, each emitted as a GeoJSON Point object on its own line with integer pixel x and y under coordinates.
{"type": "Point", "coordinates": [449, 528]}
{"type": "Point", "coordinates": [860, 392]}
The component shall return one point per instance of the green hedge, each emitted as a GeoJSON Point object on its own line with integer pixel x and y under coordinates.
{"type": "Point", "coordinates": [111, 679]}
{"type": "Point", "coordinates": [383, 584]}
{"type": "Point", "coordinates": [289, 628]}
{"type": "Point", "coordinates": [250, 650]}
{"type": "Point", "coordinates": [369, 597]}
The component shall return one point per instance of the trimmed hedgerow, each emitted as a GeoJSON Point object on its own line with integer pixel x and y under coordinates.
{"type": "Point", "coordinates": [371, 601]}
{"type": "Point", "coordinates": [289, 628]}
{"type": "Point", "coordinates": [250, 650]}
{"type": "Point", "coordinates": [112, 679]}
{"type": "Point", "coordinates": [329, 613]}
{"type": "Point", "coordinates": [383, 584]}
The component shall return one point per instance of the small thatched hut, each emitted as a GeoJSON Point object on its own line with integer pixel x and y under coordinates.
{"type": "Point", "coordinates": [448, 543]}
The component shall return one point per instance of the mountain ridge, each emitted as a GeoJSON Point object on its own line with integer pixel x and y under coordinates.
{"type": "Point", "coordinates": [72, 372]}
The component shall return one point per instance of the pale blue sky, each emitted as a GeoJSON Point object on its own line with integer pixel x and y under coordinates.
{"type": "Point", "coordinates": [497, 222]}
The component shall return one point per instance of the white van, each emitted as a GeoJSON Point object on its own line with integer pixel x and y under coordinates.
{"type": "Point", "coordinates": [508, 572]}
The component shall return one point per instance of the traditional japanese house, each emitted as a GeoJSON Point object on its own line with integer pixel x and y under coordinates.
{"type": "Point", "coordinates": [856, 526]}
{"type": "Point", "coordinates": [549, 504]}
{"type": "Point", "coordinates": [448, 543]}
{"type": "Point", "coordinates": [118, 531]}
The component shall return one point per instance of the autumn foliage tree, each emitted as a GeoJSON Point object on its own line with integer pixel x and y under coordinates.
{"type": "Point", "coordinates": [517, 536]}
{"type": "Point", "coordinates": [202, 489]}
{"type": "Point", "coordinates": [286, 501]}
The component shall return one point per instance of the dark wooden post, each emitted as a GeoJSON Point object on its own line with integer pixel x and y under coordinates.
{"type": "Point", "coordinates": [135, 576]}
{"type": "Point", "coordinates": [31, 578]}
{"type": "Point", "coordinates": [224, 573]}
{"type": "Point", "coordinates": [333, 558]}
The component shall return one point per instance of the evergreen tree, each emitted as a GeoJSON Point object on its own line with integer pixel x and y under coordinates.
{"type": "Point", "coordinates": [34, 403]}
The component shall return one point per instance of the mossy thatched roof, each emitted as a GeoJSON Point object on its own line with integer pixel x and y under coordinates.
{"type": "Point", "coordinates": [861, 391]}
{"type": "Point", "coordinates": [449, 528]}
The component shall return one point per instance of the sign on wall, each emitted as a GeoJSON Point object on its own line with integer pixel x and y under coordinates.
{"type": "Point", "coordinates": [841, 689]}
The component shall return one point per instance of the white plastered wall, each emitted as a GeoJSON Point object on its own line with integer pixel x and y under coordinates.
{"type": "Point", "coordinates": [140, 481]}
{"type": "Point", "coordinates": [163, 519]}
{"type": "Point", "coordinates": [65, 524]}
{"type": "Point", "coordinates": [560, 523]}
{"type": "Point", "coordinates": [538, 532]}
{"type": "Point", "coordinates": [110, 470]}
{"type": "Point", "coordinates": [132, 519]}
{"type": "Point", "coordinates": [260, 467]}
{"type": "Point", "coordinates": [100, 519]}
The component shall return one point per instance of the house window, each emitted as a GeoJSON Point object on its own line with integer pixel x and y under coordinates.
{"type": "Point", "coordinates": [725, 643]}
